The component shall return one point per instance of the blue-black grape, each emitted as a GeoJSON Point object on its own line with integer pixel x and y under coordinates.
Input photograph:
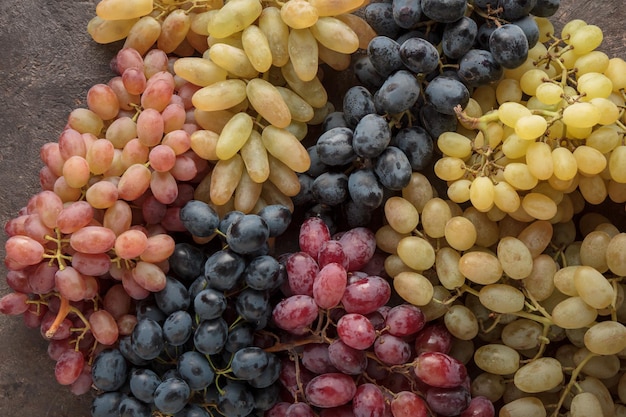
{"type": "Point", "coordinates": [459, 37]}
{"type": "Point", "coordinates": [479, 67]}
{"type": "Point", "coordinates": [228, 218]}
{"type": "Point", "coordinates": [436, 122]}
{"type": "Point", "coordinates": [173, 297]}
{"type": "Point", "coordinates": [356, 214]}
{"type": "Point", "coordinates": [384, 54]}
{"type": "Point", "coordinates": [109, 370]}
{"type": "Point", "coordinates": [269, 375]}
{"type": "Point", "coordinates": [366, 73]}
{"type": "Point", "coordinates": [199, 284]}
{"type": "Point", "coordinates": [305, 195]}
{"type": "Point", "coordinates": [334, 147]}
{"type": "Point", "coordinates": [371, 136]}
{"type": "Point", "coordinates": [444, 11]}
{"type": "Point", "coordinates": [380, 17]}
{"type": "Point", "coordinates": [263, 273]}
{"type": "Point", "coordinates": [187, 261]}
{"type": "Point", "coordinates": [419, 55]}
{"type": "Point", "coordinates": [545, 8]}
{"type": "Point", "coordinates": [247, 234]}
{"type": "Point", "coordinates": [239, 337]}
{"type": "Point", "coordinates": [266, 397]}
{"type": "Point", "coordinates": [357, 102]}
{"type": "Point", "coordinates": [143, 382]}
{"type": "Point", "coordinates": [445, 93]}
{"type": "Point", "coordinates": [199, 218]}
{"type": "Point", "coordinates": [277, 217]}
{"type": "Point", "coordinates": [417, 144]}
{"type": "Point", "coordinates": [484, 32]}
{"type": "Point", "coordinates": [334, 119]}
{"type": "Point", "coordinates": [132, 407]}
{"type": "Point", "coordinates": [331, 188]}
{"type": "Point", "coordinates": [509, 46]}
{"type": "Point", "coordinates": [224, 268]}
{"type": "Point", "coordinates": [171, 395]}
{"type": "Point", "coordinates": [195, 369]}
{"type": "Point", "coordinates": [147, 339]}
{"type": "Point", "coordinates": [364, 187]}
{"type": "Point", "coordinates": [147, 308]}
{"type": "Point", "coordinates": [177, 328]}
{"type": "Point", "coordinates": [193, 410]}
{"type": "Point", "coordinates": [210, 336]}
{"type": "Point", "coordinates": [235, 400]}
{"type": "Point", "coordinates": [393, 168]}
{"type": "Point", "coordinates": [249, 362]}
{"type": "Point", "coordinates": [398, 93]}
{"type": "Point", "coordinates": [209, 304]}
{"type": "Point", "coordinates": [107, 404]}
{"type": "Point", "coordinates": [317, 166]}
{"type": "Point", "coordinates": [252, 305]}
{"type": "Point", "coordinates": [516, 9]}
{"type": "Point", "coordinates": [126, 349]}
{"type": "Point", "coordinates": [406, 13]}
{"type": "Point", "coordinates": [530, 28]}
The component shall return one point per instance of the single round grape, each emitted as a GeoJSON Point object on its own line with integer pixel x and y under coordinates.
{"type": "Point", "coordinates": [497, 359]}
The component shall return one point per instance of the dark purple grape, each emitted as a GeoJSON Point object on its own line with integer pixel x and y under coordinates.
{"type": "Point", "coordinates": [444, 11]}
{"type": "Point", "coordinates": [199, 218]}
{"type": "Point", "coordinates": [479, 67]}
{"type": "Point", "coordinates": [445, 93]}
{"type": "Point", "coordinates": [509, 46]}
{"type": "Point", "coordinates": [419, 55]}
{"type": "Point", "coordinates": [459, 37]}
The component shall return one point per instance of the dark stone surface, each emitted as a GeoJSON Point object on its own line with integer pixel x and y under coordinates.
{"type": "Point", "coordinates": [47, 63]}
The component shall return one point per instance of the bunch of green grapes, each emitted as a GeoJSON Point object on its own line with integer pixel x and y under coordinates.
{"type": "Point", "coordinates": [548, 128]}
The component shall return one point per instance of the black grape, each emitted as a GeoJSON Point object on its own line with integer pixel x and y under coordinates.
{"type": "Point", "coordinates": [173, 297]}
{"type": "Point", "coordinates": [357, 215]}
{"type": "Point", "coordinates": [406, 13]}
{"type": "Point", "coordinates": [239, 337]}
{"type": "Point", "coordinates": [331, 188]}
{"type": "Point", "coordinates": [366, 74]}
{"type": "Point", "coordinates": [199, 218]}
{"type": "Point", "coordinates": [445, 93]}
{"type": "Point", "coordinates": [143, 382]}
{"type": "Point", "coordinates": [266, 397]}
{"type": "Point", "coordinates": [247, 234]}
{"type": "Point", "coordinates": [419, 55]}
{"type": "Point", "coordinates": [177, 328]}
{"type": "Point", "coordinates": [398, 94]}
{"type": "Point", "coordinates": [317, 166]}
{"type": "Point", "coordinates": [187, 261]}
{"type": "Point", "coordinates": [371, 136]}
{"type": "Point", "coordinates": [384, 54]}
{"type": "Point", "coordinates": [235, 400]}
{"type": "Point", "coordinates": [305, 195]}
{"type": "Point", "coordinates": [171, 395]}
{"type": "Point", "coordinates": [530, 28]}
{"type": "Point", "coordinates": [357, 102]}
{"type": "Point", "coordinates": [479, 67]}
{"type": "Point", "coordinates": [249, 362]}
{"type": "Point", "coordinates": [516, 9]}
{"type": "Point", "coordinates": [125, 347]}
{"type": "Point", "coordinates": [263, 273]}
{"type": "Point", "coordinates": [228, 218]}
{"type": "Point", "coordinates": [277, 217]}
{"type": "Point", "coordinates": [436, 122]}
{"type": "Point", "coordinates": [334, 147]}
{"type": "Point", "coordinates": [209, 304]}
{"type": "Point", "coordinates": [484, 32]}
{"type": "Point", "coordinates": [393, 168]}
{"type": "Point", "coordinates": [417, 144]}
{"type": "Point", "coordinates": [509, 46]}
{"type": "Point", "coordinates": [444, 11]}
{"type": "Point", "coordinates": [545, 8]}
{"type": "Point", "coordinates": [210, 336]}
{"type": "Point", "coordinates": [106, 404]}
{"type": "Point", "coordinates": [132, 407]}
{"type": "Point", "coordinates": [459, 37]}
{"type": "Point", "coordinates": [252, 305]}
{"type": "Point", "coordinates": [147, 339]}
{"type": "Point", "coordinates": [109, 370]}
{"type": "Point", "coordinates": [223, 269]}
{"type": "Point", "coordinates": [364, 187]}
{"type": "Point", "coordinates": [195, 369]}
{"type": "Point", "coordinates": [335, 119]}
{"type": "Point", "coordinates": [380, 17]}
{"type": "Point", "coordinates": [192, 410]}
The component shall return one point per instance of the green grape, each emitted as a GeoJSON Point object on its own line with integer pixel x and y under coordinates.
{"type": "Point", "coordinates": [497, 359]}
{"type": "Point", "coordinates": [508, 90]}
{"type": "Point", "coordinates": [454, 144]}
{"type": "Point", "coordinates": [123, 9]}
{"type": "Point", "coordinates": [501, 298]}
{"type": "Point", "coordinates": [480, 267]}
{"type": "Point", "coordinates": [447, 267]}
{"type": "Point", "coordinates": [549, 93]}
{"type": "Point", "coordinates": [539, 206]}
{"type": "Point", "coordinates": [519, 176]}
{"type": "Point", "coordinates": [268, 102]}
{"type": "Point", "coordinates": [401, 215]}
{"type": "Point", "coordinates": [581, 115]}
{"type": "Point", "coordinates": [416, 252]}
{"type": "Point", "coordinates": [585, 404]}
{"type": "Point", "coordinates": [531, 127]}
{"type": "Point", "coordinates": [531, 80]}
{"type": "Point", "coordinates": [299, 14]}
{"type": "Point", "coordinates": [540, 375]}
{"type": "Point", "coordinates": [594, 85]}
{"type": "Point", "coordinates": [515, 257]}
{"type": "Point", "coordinates": [482, 193]}
{"type": "Point", "coordinates": [413, 288]}
{"type": "Point", "coordinates": [586, 38]}
{"type": "Point", "coordinates": [510, 112]}
{"type": "Point", "coordinates": [460, 233]}
{"type": "Point", "coordinates": [234, 17]}
{"type": "Point", "coordinates": [461, 322]}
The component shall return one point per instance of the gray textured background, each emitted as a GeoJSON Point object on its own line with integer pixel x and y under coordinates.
{"type": "Point", "coordinates": [47, 63]}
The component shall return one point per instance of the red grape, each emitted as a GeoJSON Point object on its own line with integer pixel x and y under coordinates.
{"type": "Point", "coordinates": [313, 233]}
{"type": "Point", "coordinates": [330, 390]}
{"type": "Point", "coordinates": [440, 370]}
{"type": "Point", "coordinates": [356, 331]}
{"type": "Point", "coordinates": [330, 285]}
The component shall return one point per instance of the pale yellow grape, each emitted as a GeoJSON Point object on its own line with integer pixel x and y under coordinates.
{"type": "Point", "coordinates": [534, 103]}
{"type": "Point", "coordinates": [449, 168]}
{"type": "Point", "coordinates": [299, 109]}
{"type": "Point", "coordinates": [593, 250]}
{"type": "Point", "coordinates": [419, 191]}
{"type": "Point", "coordinates": [461, 322]}
{"type": "Point", "coordinates": [536, 236]}
{"type": "Point", "coordinates": [573, 313]}
{"type": "Point", "coordinates": [435, 308]}
{"type": "Point", "coordinates": [539, 206]}
{"type": "Point", "coordinates": [232, 59]}
{"type": "Point", "coordinates": [593, 189]}
{"type": "Point", "coordinates": [549, 93]}
{"type": "Point", "coordinates": [515, 257]}
{"type": "Point", "coordinates": [519, 176]}
{"type": "Point", "coordinates": [268, 102]}
{"type": "Point", "coordinates": [224, 179]}
{"type": "Point", "coordinates": [271, 195]}
{"type": "Point", "coordinates": [482, 193]}
{"type": "Point", "coordinates": [204, 143]}
{"type": "Point", "coordinates": [510, 112]}
{"type": "Point", "coordinates": [234, 135]}
{"type": "Point", "coordinates": [416, 252]}
{"type": "Point", "coordinates": [283, 177]}
{"type": "Point", "coordinates": [594, 85]}
{"type": "Point", "coordinates": [454, 144]}
{"type": "Point", "coordinates": [401, 215]}
{"type": "Point", "coordinates": [495, 214]}
{"type": "Point", "coordinates": [593, 287]}
{"type": "Point", "coordinates": [413, 288]}
{"type": "Point", "coordinates": [460, 233]}
{"type": "Point", "coordinates": [336, 60]}
{"type": "Point", "coordinates": [540, 375]}
{"type": "Point", "coordinates": [284, 146]}
{"type": "Point", "coordinates": [200, 21]}
{"type": "Point", "coordinates": [539, 160]}
{"type": "Point", "coordinates": [522, 334]}
{"type": "Point", "coordinates": [616, 71]}
{"type": "Point", "coordinates": [606, 338]}
{"type": "Point", "coordinates": [523, 407]}
{"type": "Point", "coordinates": [220, 95]}
{"type": "Point", "coordinates": [277, 33]}
{"type": "Point", "coordinates": [107, 31]}
{"type": "Point", "coordinates": [335, 7]}
{"type": "Point", "coordinates": [578, 132]}
{"type": "Point", "coordinates": [585, 404]}
{"type": "Point", "coordinates": [570, 27]}
{"type": "Point", "coordinates": [609, 112]}
{"type": "Point", "coordinates": [447, 267]}
{"type": "Point", "coordinates": [487, 230]}
{"type": "Point", "coordinates": [515, 147]}
{"type": "Point", "coordinates": [501, 298]}
{"type": "Point", "coordinates": [335, 35]}
{"type": "Point", "coordinates": [604, 139]}
{"type": "Point", "coordinates": [594, 61]}
{"type": "Point", "coordinates": [298, 129]}
{"type": "Point", "coordinates": [581, 115]}
{"type": "Point", "coordinates": [497, 359]}
{"type": "Point", "coordinates": [458, 191]}
{"type": "Point", "coordinates": [472, 109]}
{"type": "Point", "coordinates": [531, 80]}
{"type": "Point", "coordinates": [508, 89]}
{"type": "Point", "coordinates": [232, 40]}
{"type": "Point", "coordinates": [616, 191]}
{"type": "Point", "coordinates": [485, 95]}
{"type": "Point", "coordinates": [435, 214]}
{"type": "Point", "coordinates": [247, 193]}
{"type": "Point", "coordinates": [394, 265]}
{"type": "Point", "coordinates": [143, 34]}
{"type": "Point", "coordinates": [303, 53]}
{"type": "Point", "coordinates": [234, 17]}
{"type": "Point", "coordinates": [123, 9]}
{"type": "Point", "coordinates": [616, 254]}
{"type": "Point", "coordinates": [387, 238]}
{"type": "Point", "coordinates": [601, 367]}
{"type": "Point", "coordinates": [257, 48]}
{"type": "Point", "coordinates": [600, 390]}
{"type": "Point", "coordinates": [531, 127]}
{"type": "Point", "coordinates": [564, 163]}
{"type": "Point", "coordinates": [505, 197]}
{"type": "Point", "coordinates": [298, 14]}
{"type": "Point", "coordinates": [617, 164]}
{"type": "Point", "coordinates": [313, 92]}
{"type": "Point", "coordinates": [586, 38]}
{"type": "Point", "coordinates": [480, 267]}
{"type": "Point", "coordinates": [199, 71]}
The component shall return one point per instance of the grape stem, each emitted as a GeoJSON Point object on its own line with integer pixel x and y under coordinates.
{"type": "Point", "coordinates": [57, 253]}
{"type": "Point", "coordinates": [64, 310]}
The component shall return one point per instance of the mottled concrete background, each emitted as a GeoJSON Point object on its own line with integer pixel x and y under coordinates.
{"type": "Point", "coordinates": [47, 63]}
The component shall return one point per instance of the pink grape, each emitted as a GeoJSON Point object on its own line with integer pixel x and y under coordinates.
{"type": "Point", "coordinates": [33, 317]}
{"type": "Point", "coordinates": [134, 152]}
{"type": "Point", "coordinates": [71, 143]}
{"type": "Point", "coordinates": [136, 291]}
{"type": "Point", "coordinates": [130, 244]}
{"type": "Point", "coordinates": [433, 338]}
{"type": "Point", "coordinates": [330, 390]}
{"type": "Point", "coordinates": [313, 233]}
{"type": "Point", "coordinates": [102, 100]}
{"type": "Point", "coordinates": [70, 283]}
{"type": "Point", "coordinates": [295, 312]}
{"type": "Point", "coordinates": [329, 285]}
{"type": "Point", "coordinates": [69, 366]}
{"type": "Point", "coordinates": [149, 276]}
{"type": "Point", "coordinates": [278, 410]}
{"type": "Point", "coordinates": [359, 245]}
{"type": "Point", "coordinates": [127, 58]}
{"type": "Point", "coordinates": [63, 332]}
{"type": "Point", "coordinates": [24, 250]}
{"type": "Point", "coordinates": [127, 101]}
{"type": "Point", "coordinates": [116, 301]}
{"type": "Point", "coordinates": [95, 264]}
{"type": "Point", "coordinates": [356, 331]}
{"type": "Point", "coordinates": [57, 347]}
{"type": "Point", "coordinates": [290, 377]}
{"type": "Point", "coordinates": [157, 95]}
{"type": "Point", "coordinates": [331, 251]}
{"type": "Point", "coordinates": [74, 216]}
{"type": "Point", "coordinates": [48, 205]}
{"type": "Point", "coordinates": [42, 279]}
{"type": "Point", "coordinates": [15, 226]}
{"type": "Point", "coordinates": [47, 178]}
{"type": "Point", "coordinates": [301, 273]}
{"type": "Point", "coordinates": [346, 359]}
{"type": "Point", "coordinates": [103, 327]}
{"type": "Point", "coordinates": [299, 410]}
{"type": "Point", "coordinates": [179, 140]}
{"type": "Point", "coordinates": [35, 228]}
{"type": "Point", "coordinates": [152, 210]}
{"type": "Point", "coordinates": [134, 182]}
{"type": "Point", "coordinates": [50, 155]}
{"type": "Point", "coordinates": [82, 384]}
{"type": "Point", "coordinates": [162, 158]}
{"type": "Point", "coordinates": [76, 171]}
{"type": "Point", "coordinates": [368, 401]}
{"type": "Point", "coordinates": [440, 370]}
{"type": "Point", "coordinates": [150, 127]}
{"type": "Point", "coordinates": [155, 61]}
{"type": "Point", "coordinates": [392, 350]}
{"type": "Point", "coordinates": [159, 247]}
{"type": "Point", "coordinates": [404, 320]}
{"type": "Point", "coordinates": [93, 239]}
{"type": "Point", "coordinates": [174, 116]}
{"type": "Point", "coordinates": [340, 411]}
{"type": "Point", "coordinates": [14, 303]}
{"type": "Point", "coordinates": [164, 187]}
{"type": "Point", "coordinates": [366, 295]}
{"type": "Point", "coordinates": [409, 404]}
{"type": "Point", "coordinates": [118, 217]}
{"type": "Point", "coordinates": [184, 168]}
{"type": "Point", "coordinates": [134, 80]}
{"type": "Point", "coordinates": [18, 281]}
{"type": "Point", "coordinates": [479, 407]}
{"type": "Point", "coordinates": [102, 194]}
{"type": "Point", "coordinates": [315, 358]}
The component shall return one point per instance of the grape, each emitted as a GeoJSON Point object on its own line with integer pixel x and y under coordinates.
{"type": "Point", "coordinates": [132, 407]}
{"type": "Point", "coordinates": [109, 370]}
{"type": "Point", "coordinates": [398, 93]}
{"type": "Point", "coordinates": [393, 168]}
{"type": "Point", "coordinates": [295, 312]}
{"type": "Point", "coordinates": [247, 234]}
{"type": "Point", "coordinates": [417, 145]}
{"type": "Point", "coordinates": [253, 305]}
{"type": "Point", "coordinates": [438, 369]}
{"type": "Point", "coordinates": [330, 390]}
{"type": "Point", "coordinates": [15, 303]}
{"type": "Point", "coordinates": [406, 14]}
{"type": "Point", "coordinates": [407, 403]}
{"type": "Point", "coordinates": [444, 11]}
{"type": "Point", "coordinates": [366, 295]}
{"type": "Point", "coordinates": [371, 136]}
{"type": "Point", "coordinates": [171, 395]}
{"type": "Point", "coordinates": [331, 188]}
{"type": "Point", "coordinates": [210, 336]}
{"type": "Point", "coordinates": [223, 269]}
{"type": "Point", "coordinates": [448, 401]}
{"type": "Point", "coordinates": [445, 93]}
{"type": "Point", "coordinates": [335, 147]}
{"type": "Point", "coordinates": [458, 37]}
{"type": "Point", "coordinates": [69, 367]}
{"type": "Point", "coordinates": [235, 400]}
{"type": "Point", "coordinates": [357, 102]}
{"type": "Point", "coordinates": [329, 285]}
{"type": "Point", "coordinates": [368, 400]}
{"type": "Point", "coordinates": [106, 404]}
{"type": "Point", "coordinates": [380, 17]}
{"type": "Point", "coordinates": [392, 350]}
{"type": "Point", "coordinates": [173, 297]}
{"type": "Point", "coordinates": [384, 55]}
{"type": "Point", "coordinates": [277, 217]}
{"type": "Point", "coordinates": [199, 218]}
{"type": "Point", "coordinates": [364, 187]}
{"type": "Point", "coordinates": [195, 369]}
{"type": "Point", "coordinates": [177, 328]}
{"type": "Point", "coordinates": [509, 45]}
{"type": "Point", "coordinates": [147, 339]}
